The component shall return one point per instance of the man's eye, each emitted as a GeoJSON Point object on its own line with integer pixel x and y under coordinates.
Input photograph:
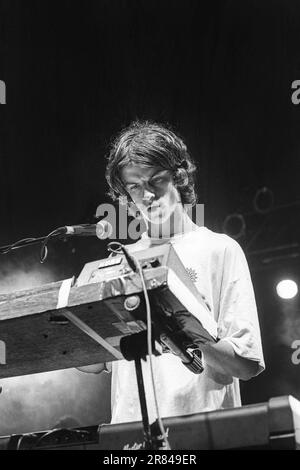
{"type": "Point", "coordinates": [158, 181]}
{"type": "Point", "coordinates": [135, 187]}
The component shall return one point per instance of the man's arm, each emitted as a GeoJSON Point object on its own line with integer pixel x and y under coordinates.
{"type": "Point", "coordinates": [222, 357]}
{"type": "Point", "coordinates": [219, 356]}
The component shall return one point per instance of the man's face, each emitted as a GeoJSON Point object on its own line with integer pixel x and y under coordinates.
{"type": "Point", "coordinates": [152, 190]}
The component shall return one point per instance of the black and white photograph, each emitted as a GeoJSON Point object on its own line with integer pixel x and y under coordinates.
{"type": "Point", "coordinates": [149, 227]}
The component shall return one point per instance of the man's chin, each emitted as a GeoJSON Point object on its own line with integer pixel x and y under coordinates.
{"type": "Point", "coordinates": [158, 218]}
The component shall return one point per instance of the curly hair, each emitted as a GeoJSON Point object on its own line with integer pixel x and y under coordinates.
{"type": "Point", "coordinates": [149, 144]}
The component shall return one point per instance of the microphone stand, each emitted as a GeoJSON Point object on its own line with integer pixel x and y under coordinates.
{"type": "Point", "coordinates": [134, 347]}
{"type": "Point", "coordinates": [145, 417]}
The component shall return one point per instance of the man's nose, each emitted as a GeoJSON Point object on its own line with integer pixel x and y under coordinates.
{"type": "Point", "coordinates": [148, 196]}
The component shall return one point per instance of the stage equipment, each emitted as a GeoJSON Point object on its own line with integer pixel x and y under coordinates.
{"type": "Point", "coordinates": [74, 323]}
{"type": "Point", "coordinates": [271, 425]}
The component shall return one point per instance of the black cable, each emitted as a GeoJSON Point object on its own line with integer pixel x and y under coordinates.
{"type": "Point", "coordinates": [116, 251]}
{"type": "Point", "coordinates": [31, 241]}
{"type": "Point", "coordinates": [19, 244]}
{"type": "Point", "coordinates": [59, 431]}
{"type": "Point", "coordinates": [136, 267]}
{"type": "Point", "coordinates": [44, 249]}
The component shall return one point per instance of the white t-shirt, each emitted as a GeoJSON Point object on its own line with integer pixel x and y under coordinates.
{"type": "Point", "coordinates": [218, 267]}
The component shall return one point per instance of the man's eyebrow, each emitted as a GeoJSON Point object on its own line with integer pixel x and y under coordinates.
{"type": "Point", "coordinates": [151, 177]}
{"type": "Point", "coordinates": [131, 182]}
{"type": "Point", "coordinates": [157, 173]}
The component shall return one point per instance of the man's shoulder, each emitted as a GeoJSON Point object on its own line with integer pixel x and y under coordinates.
{"type": "Point", "coordinates": [214, 240]}
{"type": "Point", "coordinates": [225, 249]}
{"type": "Point", "coordinates": [202, 236]}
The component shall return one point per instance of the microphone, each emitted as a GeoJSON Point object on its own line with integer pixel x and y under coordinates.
{"type": "Point", "coordinates": [102, 230]}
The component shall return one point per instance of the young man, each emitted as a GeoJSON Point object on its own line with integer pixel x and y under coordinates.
{"type": "Point", "coordinates": [150, 166]}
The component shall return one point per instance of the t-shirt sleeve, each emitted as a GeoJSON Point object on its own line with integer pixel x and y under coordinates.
{"type": "Point", "coordinates": [238, 319]}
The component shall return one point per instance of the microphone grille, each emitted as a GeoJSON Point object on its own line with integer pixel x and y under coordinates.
{"type": "Point", "coordinates": [103, 229]}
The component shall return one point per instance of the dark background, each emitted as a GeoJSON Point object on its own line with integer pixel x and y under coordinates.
{"type": "Point", "coordinates": [220, 73]}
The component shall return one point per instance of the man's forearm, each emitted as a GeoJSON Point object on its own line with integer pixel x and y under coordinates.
{"type": "Point", "coordinates": [222, 357]}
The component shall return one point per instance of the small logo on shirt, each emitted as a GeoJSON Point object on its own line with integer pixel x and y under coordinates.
{"type": "Point", "coordinates": [192, 274]}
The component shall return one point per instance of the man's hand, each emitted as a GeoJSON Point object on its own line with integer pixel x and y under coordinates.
{"type": "Point", "coordinates": [222, 357]}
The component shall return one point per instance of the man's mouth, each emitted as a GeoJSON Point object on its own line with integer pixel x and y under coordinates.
{"type": "Point", "coordinates": [153, 207]}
